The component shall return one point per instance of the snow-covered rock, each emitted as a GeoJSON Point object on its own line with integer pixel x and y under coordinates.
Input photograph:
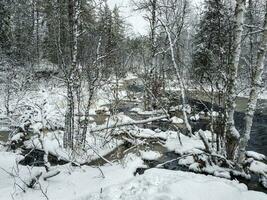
{"type": "Point", "coordinates": [255, 155]}
{"type": "Point", "coordinates": [213, 113]}
{"type": "Point", "coordinates": [258, 167]}
{"type": "Point", "coordinates": [195, 117]}
{"type": "Point", "coordinates": [150, 155]}
{"type": "Point", "coordinates": [177, 120]}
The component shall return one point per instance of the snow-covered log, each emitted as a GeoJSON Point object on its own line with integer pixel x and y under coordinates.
{"type": "Point", "coordinates": [129, 123]}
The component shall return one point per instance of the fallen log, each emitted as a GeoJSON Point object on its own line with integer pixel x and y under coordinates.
{"type": "Point", "coordinates": [129, 123]}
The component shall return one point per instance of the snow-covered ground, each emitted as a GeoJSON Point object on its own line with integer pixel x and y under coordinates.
{"type": "Point", "coordinates": [72, 182]}
{"type": "Point", "coordinates": [117, 182]}
{"type": "Point", "coordinates": [160, 184]}
{"type": "Point", "coordinates": [113, 181]}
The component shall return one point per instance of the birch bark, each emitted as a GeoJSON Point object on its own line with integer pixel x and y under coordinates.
{"type": "Point", "coordinates": [69, 119]}
{"type": "Point", "coordinates": [232, 135]}
{"type": "Point", "coordinates": [255, 90]}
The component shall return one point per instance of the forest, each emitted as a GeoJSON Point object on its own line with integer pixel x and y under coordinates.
{"type": "Point", "coordinates": [133, 99]}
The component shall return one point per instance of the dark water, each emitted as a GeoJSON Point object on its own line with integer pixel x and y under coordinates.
{"type": "Point", "coordinates": [258, 136]}
{"type": "Point", "coordinates": [4, 135]}
{"type": "Point", "coordinates": [258, 139]}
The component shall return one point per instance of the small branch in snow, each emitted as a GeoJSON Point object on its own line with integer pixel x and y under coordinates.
{"type": "Point", "coordinates": [116, 125]}
{"type": "Point", "coordinates": [34, 180]}
{"type": "Point", "coordinates": [50, 174]}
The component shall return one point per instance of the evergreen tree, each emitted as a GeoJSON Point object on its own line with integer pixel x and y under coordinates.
{"type": "Point", "coordinates": [213, 43]}
{"type": "Point", "coordinates": [5, 27]}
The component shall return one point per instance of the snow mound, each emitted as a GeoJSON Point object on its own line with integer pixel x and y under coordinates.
{"type": "Point", "coordinates": [177, 120]}
{"type": "Point", "coordinates": [189, 145]}
{"type": "Point", "coordinates": [258, 167]}
{"type": "Point", "coordinates": [195, 117]}
{"type": "Point", "coordinates": [150, 155]}
{"type": "Point", "coordinates": [255, 155]}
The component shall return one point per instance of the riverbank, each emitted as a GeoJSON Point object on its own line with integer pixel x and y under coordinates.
{"type": "Point", "coordinates": [122, 151]}
{"type": "Point", "coordinates": [116, 182]}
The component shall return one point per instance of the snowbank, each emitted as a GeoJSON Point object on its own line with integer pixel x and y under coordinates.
{"type": "Point", "coordinates": [150, 155]}
{"type": "Point", "coordinates": [73, 183]}
{"type": "Point", "coordinates": [255, 155]}
{"type": "Point", "coordinates": [175, 185]}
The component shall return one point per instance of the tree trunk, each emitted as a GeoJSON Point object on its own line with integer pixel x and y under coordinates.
{"type": "Point", "coordinates": [232, 135]}
{"type": "Point", "coordinates": [69, 121]}
{"type": "Point", "coordinates": [254, 90]}
{"type": "Point", "coordinates": [181, 82]}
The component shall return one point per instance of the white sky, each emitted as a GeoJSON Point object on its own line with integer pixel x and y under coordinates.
{"type": "Point", "coordinates": [135, 19]}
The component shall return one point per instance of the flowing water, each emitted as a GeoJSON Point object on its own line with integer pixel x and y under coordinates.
{"type": "Point", "coordinates": [258, 139]}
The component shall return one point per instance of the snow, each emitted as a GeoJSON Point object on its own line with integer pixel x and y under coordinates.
{"type": "Point", "coordinates": [130, 76]}
{"type": "Point", "coordinates": [263, 94]}
{"type": "Point", "coordinates": [177, 120]}
{"type": "Point", "coordinates": [140, 111]}
{"type": "Point", "coordinates": [4, 129]}
{"type": "Point", "coordinates": [17, 136]}
{"type": "Point", "coordinates": [213, 113]}
{"type": "Point", "coordinates": [150, 155]}
{"type": "Point", "coordinates": [147, 133]}
{"type": "Point", "coordinates": [255, 155]}
{"type": "Point", "coordinates": [158, 184]}
{"type": "Point", "coordinates": [195, 117]}
{"type": "Point", "coordinates": [188, 160]}
{"type": "Point", "coordinates": [72, 182]}
{"type": "Point", "coordinates": [189, 145]}
{"type": "Point", "coordinates": [53, 143]}
{"type": "Point", "coordinates": [117, 182]}
{"type": "Point", "coordinates": [258, 167]}
{"type": "Point", "coordinates": [114, 181]}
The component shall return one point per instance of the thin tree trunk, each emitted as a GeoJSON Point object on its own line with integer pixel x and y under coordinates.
{"type": "Point", "coordinates": [254, 91]}
{"type": "Point", "coordinates": [69, 121]}
{"type": "Point", "coordinates": [181, 82]}
{"type": "Point", "coordinates": [232, 135]}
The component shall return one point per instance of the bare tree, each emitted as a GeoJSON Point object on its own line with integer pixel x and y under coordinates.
{"type": "Point", "coordinates": [71, 73]}
{"type": "Point", "coordinates": [172, 19]}
{"type": "Point", "coordinates": [256, 85]}
{"type": "Point", "coordinates": [232, 135]}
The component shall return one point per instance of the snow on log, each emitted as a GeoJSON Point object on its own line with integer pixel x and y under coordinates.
{"type": "Point", "coordinates": [128, 123]}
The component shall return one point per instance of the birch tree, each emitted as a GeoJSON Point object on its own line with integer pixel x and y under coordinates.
{"type": "Point", "coordinates": [232, 135]}
{"type": "Point", "coordinates": [172, 19]}
{"type": "Point", "coordinates": [70, 79]}
{"type": "Point", "coordinates": [256, 85]}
